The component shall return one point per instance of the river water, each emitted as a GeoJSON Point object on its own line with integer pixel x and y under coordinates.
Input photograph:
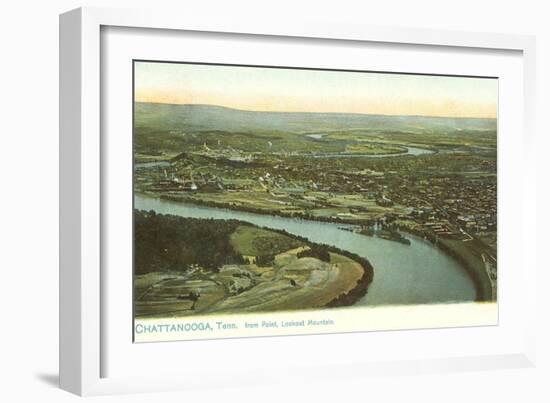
{"type": "Point", "coordinates": [151, 164]}
{"type": "Point", "coordinates": [415, 151]}
{"type": "Point", "coordinates": [418, 273]}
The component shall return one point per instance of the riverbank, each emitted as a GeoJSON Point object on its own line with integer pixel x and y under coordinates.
{"type": "Point", "coordinates": [471, 262]}
{"type": "Point", "coordinates": [474, 264]}
{"type": "Point", "coordinates": [356, 291]}
{"type": "Point", "coordinates": [250, 209]}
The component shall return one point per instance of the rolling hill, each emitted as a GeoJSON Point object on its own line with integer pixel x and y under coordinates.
{"type": "Point", "coordinates": [168, 117]}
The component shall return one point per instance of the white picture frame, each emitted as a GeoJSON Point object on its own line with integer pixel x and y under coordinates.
{"type": "Point", "coordinates": [82, 341]}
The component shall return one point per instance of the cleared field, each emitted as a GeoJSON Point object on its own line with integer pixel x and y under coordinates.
{"type": "Point", "coordinates": [305, 283]}
{"type": "Point", "coordinates": [253, 241]}
{"type": "Point", "coordinates": [289, 283]}
{"type": "Point", "coordinates": [257, 199]}
{"type": "Point", "coordinates": [316, 204]}
{"type": "Point", "coordinates": [158, 294]}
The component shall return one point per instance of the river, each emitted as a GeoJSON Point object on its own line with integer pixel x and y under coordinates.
{"type": "Point", "coordinates": [414, 151]}
{"type": "Point", "coordinates": [152, 164]}
{"type": "Point", "coordinates": [418, 273]}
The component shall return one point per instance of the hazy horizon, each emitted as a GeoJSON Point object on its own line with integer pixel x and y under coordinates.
{"type": "Point", "coordinates": [315, 112]}
{"type": "Point", "coordinates": [266, 89]}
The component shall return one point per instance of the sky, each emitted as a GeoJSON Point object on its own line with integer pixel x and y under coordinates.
{"type": "Point", "coordinates": [295, 90]}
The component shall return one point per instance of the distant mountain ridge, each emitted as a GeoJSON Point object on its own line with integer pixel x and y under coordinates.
{"type": "Point", "coordinates": [198, 117]}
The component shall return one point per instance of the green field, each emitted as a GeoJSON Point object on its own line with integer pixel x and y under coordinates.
{"type": "Point", "coordinates": [253, 241]}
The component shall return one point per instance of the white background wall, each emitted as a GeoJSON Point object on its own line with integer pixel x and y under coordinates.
{"type": "Point", "coordinates": [29, 201]}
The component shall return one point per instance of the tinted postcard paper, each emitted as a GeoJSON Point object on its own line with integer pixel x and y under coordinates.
{"type": "Point", "coordinates": [279, 201]}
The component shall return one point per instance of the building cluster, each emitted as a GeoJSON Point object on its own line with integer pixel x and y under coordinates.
{"type": "Point", "coordinates": [449, 196]}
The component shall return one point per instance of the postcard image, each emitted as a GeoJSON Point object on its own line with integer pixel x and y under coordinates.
{"type": "Point", "coordinates": [280, 201]}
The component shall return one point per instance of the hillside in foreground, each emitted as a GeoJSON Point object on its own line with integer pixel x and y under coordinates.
{"type": "Point", "coordinates": [177, 274]}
